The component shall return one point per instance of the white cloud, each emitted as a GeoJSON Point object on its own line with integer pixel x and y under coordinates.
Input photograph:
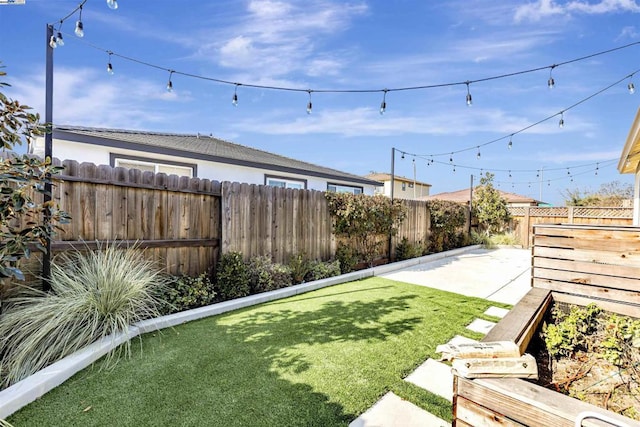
{"type": "Point", "coordinates": [541, 9]}
{"type": "Point", "coordinates": [277, 37]}
{"type": "Point", "coordinates": [628, 32]}
{"type": "Point", "coordinates": [84, 97]}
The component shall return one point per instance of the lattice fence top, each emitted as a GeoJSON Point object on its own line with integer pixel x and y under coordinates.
{"type": "Point", "coordinates": [575, 211]}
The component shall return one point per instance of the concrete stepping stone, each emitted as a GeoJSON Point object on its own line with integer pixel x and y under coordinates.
{"type": "Point", "coordinates": [496, 312]}
{"type": "Point", "coordinates": [392, 411]}
{"type": "Point", "coordinates": [459, 339]}
{"type": "Point", "coordinates": [481, 325]}
{"type": "Point", "coordinates": [435, 377]}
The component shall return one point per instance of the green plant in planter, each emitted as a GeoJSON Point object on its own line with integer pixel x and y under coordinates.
{"type": "Point", "coordinates": [569, 330]}
{"type": "Point", "coordinates": [232, 279]}
{"type": "Point", "coordinates": [299, 266]}
{"type": "Point", "coordinates": [93, 294]}
{"type": "Point", "coordinates": [184, 293]}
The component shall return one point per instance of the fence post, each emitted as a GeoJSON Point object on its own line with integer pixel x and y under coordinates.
{"type": "Point", "coordinates": [525, 228]}
{"type": "Point", "coordinates": [571, 214]}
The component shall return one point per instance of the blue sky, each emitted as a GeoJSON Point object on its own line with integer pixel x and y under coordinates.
{"type": "Point", "coordinates": [358, 45]}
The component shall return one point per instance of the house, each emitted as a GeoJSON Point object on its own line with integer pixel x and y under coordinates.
{"type": "Point", "coordinates": [630, 163]}
{"type": "Point", "coordinates": [462, 196]}
{"type": "Point", "coordinates": [197, 156]}
{"type": "Point", "coordinates": [404, 188]}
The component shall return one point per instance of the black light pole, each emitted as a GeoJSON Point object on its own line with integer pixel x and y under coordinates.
{"type": "Point", "coordinates": [48, 155]}
{"type": "Point", "coordinates": [393, 172]}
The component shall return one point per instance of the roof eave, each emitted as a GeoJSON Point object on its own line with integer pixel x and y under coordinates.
{"type": "Point", "coordinates": [630, 156]}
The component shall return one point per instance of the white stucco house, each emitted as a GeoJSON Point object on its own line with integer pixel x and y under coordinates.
{"type": "Point", "coordinates": [403, 187]}
{"type": "Point", "coordinates": [197, 156]}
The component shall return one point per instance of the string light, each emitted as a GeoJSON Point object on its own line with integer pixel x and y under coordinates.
{"type": "Point", "coordinates": [309, 104]}
{"type": "Point", "coordinates": [402, 157]}
{"type": "Point", "coordinates": [561, 122]}
{"type": "Point", "coordinates": [454, 168]}
{"type": "Point", "coordinates": [469, 99]}
{"type": "Point", "coordinates": [109, 66]}
{"type": "Point", "coordinates": [510, 144]}
{"type": "Point", "coordinates": [478, 155]}
{"type": "Point", "coordinates": [597, 167]}
{"type": "Point", "coordinates": [551, 83]}
{"type": "Point", "coordinates": [113, 4]}
{"type": "Point", "coordinates": [234, 99]}
{"type": "Point", "coordinates": [52, 42]}
{"type": "Point", "coordinates": [170, 83]}
{"type": "Point", "coordinates": [79, 31]}
{"type": "Point", "coordinates": [630, 86]}
{"type": "Point", "coordinates": [383, 104]}
{"type": "Point", "coordinates": [510, 174]}
{"type": "Point", "coordinates": [59, 39]}
{"type": "Point", "coordinates": [451, 158]}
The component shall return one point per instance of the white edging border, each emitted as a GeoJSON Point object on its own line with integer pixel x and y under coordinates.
{"type": "Point", "coordinates": [26, 391]}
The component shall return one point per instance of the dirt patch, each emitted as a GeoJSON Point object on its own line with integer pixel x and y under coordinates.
{"type": "Point", "coordinates": [587, 371]}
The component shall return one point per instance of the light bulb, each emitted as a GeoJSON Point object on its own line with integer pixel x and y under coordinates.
{"type": "Point", "coordinates": [632, 88]}
{"type": "Point", "coordinates": [478, 155]}
{"type": "Point", "coordinates": [234, 100]}
{"type": "Point", "coordinates": [59, 39]}
{"type": "Point", "coordinates": [79, 29]}
{"type": "Point", "coordinates": [309, 107]}
{"type": "Point", "coordinates": [551, 83]}
{"type": "Point", "coordinates": [383, 107]}
{"type": "Point", "coordinates": [510, 144]}
{"type": "Point", "coordinates": [561, 123]}
{"type": "Point", "coordinates": [510, 174]}
{"type": "Point", "coordinates": [469, 100]}
{"type": "Point", "coordinates": [52, 42]}
{"type": "Point", "coordinates": [110, 69]}
{"type": "Point", "coordinates": [170, 86]}
{"type": "Point", "coordinates": [113, 4]}
{"type": "Point", "coordinates": [451, 158]}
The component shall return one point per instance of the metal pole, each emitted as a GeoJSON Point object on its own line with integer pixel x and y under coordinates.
{"type": "Point", "coordinates": [393, 171]}
{"type": "Point", "coordinates": [48, 155]}
{"type": "Point", "coordinates": [541, 181]}
{"type": "Point", "coordinates": [470, 203]}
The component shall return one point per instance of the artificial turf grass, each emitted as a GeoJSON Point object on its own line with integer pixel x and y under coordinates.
{"type": "Point", "coordinates": [320, 358]}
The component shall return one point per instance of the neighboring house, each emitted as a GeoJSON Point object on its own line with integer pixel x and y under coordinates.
{"type": "Point", "coordinates": [197, 156]}
{"type": "Point", "coordinates": [403, 188]}
{"type": "Point", "coordinates": [630, 163]}
{"type": "Point", "coordinates": [462, 196]}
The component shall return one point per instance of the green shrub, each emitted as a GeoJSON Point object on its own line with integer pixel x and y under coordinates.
{"type": "Point", "coordinates": [299, 266]}
{"type": "Point", "coordinates": [184, 293]}
{"type": "Point", "coordinates": [508, 238]}
{"type": "Point", "coordinates": [347, 257]}
{"type": "Point", "coordinates": [94, 294]}
{"type": "Point", "coordinates": [265, 275]}
{"type": "Point", "coordinates": [232, 278]}
{"type": "Point", "coordinates": [447, 225]}
{"type": "Point", "coordinates": [481, 239]}
{"type": "Point", "coordinates": [407, 250]}
{"type": "Point", "coordinates": [281, 275]}
{"type": "Point", "coordinates": [321, 270]}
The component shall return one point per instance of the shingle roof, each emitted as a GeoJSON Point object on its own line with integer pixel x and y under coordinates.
{"type": "Point", "coordinates": [201, 147]}
{"type": "Point", "coordinates": [462, 196]}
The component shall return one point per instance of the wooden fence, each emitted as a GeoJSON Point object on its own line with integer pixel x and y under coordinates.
{"type": "Point", "coordinates": [524, 218]}
{"type": "Point", "coordinates": [184, 223]}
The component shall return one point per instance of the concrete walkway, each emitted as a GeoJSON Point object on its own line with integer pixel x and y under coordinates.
{"type": "Point", "coordinates": [501, 275]}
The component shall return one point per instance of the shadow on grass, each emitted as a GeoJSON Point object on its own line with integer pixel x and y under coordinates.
{"type": "Point", "coordinates": [227, 370]}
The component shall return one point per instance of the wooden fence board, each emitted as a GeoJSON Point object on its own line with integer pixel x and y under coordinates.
{"type": "Point", "coordinates": [632, 297]}
{"type": "Point", "coordinates": [608, 272]}
{"type": "Point", "coordinates": [595, 256]}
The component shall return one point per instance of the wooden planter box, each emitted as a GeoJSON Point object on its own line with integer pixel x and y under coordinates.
{"type": "Point", "coordinates": [572, 264]}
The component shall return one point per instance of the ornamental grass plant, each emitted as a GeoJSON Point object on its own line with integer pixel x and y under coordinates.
{"type": "Point", "coordinates": [94, 294]}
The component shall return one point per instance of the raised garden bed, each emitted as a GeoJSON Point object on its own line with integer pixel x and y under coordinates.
{"type": "Point", "coordinates": [575, 265]}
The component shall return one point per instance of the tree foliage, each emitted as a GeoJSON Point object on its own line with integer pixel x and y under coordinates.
{"type": "Point", "coordinates": [22, 183]}
{"type": "Point", "coordinates": [367, 220]}
{"type": "Point", "coordinates": [610, 194]}
{"type": "Point", "coordinates": [447, 222]}
{"type": "Point", "coordinates": [489, 207]}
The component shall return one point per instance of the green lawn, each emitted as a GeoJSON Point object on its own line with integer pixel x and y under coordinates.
{"type": "Point", "coordinates": [317, 359]}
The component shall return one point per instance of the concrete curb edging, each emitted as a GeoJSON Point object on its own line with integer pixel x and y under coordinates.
{"type": "Point", "coordinates": [26, 391]}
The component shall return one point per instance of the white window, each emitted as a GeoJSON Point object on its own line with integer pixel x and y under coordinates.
{"type": "Point", "coordinates": [155, 167]}
{"type": "Point", "coordinates": [338, 188]}
{"type": "Point", "coordinates": [285, 183]}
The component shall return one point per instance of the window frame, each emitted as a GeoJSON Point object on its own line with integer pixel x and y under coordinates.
{"type": "Point", "coordinates": [286, 179]}
{"type": "Point", "coordinates": [114, 157]}
{"type": "Point", "coordinates": [354, 187]}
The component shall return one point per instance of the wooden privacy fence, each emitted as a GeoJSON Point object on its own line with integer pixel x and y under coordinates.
{"type": "Point", "coordinates": [524, 218]}
{"type": "Point", "coordinates": [175, 219]}
{"type": "Point", "coordinates": [184, 223]}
